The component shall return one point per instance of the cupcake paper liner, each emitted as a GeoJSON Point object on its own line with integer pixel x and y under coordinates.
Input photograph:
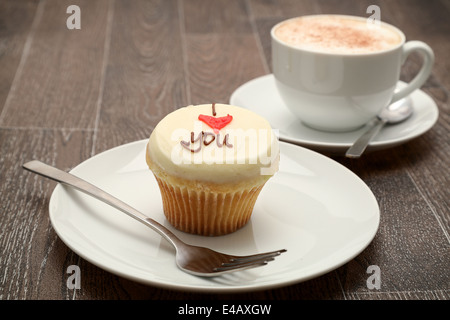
{"type": "Point", "coordinates": [204, 212]}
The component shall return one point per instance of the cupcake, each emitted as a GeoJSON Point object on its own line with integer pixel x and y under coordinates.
{"type": "Point", "coordinates": [211, 162]}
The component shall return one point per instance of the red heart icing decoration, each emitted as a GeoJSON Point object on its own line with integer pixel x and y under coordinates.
{"type": "Point", "coordinates": [215, 123]}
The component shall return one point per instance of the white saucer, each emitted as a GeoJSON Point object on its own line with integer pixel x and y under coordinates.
{"type": "Point", "coordinates": [303, 209]}
{"type": "Point", "coordinates": [261, 96]}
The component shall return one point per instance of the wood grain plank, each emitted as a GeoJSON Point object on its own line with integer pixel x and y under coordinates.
{"type": "Point", "coordinates": [219, 16]}
{"type": "Point", "coordinates": [59, 84]}
{"type": "Point", "coordinates": [16, 20]}
{"type": "Point", "coordinates": [402, 295]}
{"type": "Point", "coordinates": [410, 247]}
{"type": "Point", "coordinates": [221, 49]}
{"type": "Point", "coordinates": [283, 9]}
{"type": "Point", "coordinates": [31, 255]}
{"type": "Point", "coordinates": [347, 7]}
{"type": "Point", "coordinates": [145, 77]}
{"type": "Point", "coordinates": [99, 283]}
{"type": "Point", "coordinates": [426, 158]}
{"type": "Point", "coordinates": [215, 70]}
{"type": "Point", "coordinates": [425, 22]}
{"type": "Point", "coordinates": [432, 178]}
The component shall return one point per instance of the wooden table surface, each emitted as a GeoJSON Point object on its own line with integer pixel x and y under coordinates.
{"type": "Point", "coordinates": [66, 95]}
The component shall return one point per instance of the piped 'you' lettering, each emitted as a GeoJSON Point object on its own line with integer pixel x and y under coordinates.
{"type": "Point", "coordinates": [206, 138]}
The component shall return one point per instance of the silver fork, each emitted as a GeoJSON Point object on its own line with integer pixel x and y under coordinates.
{"type": "Point", "coordinates": [195, 260]}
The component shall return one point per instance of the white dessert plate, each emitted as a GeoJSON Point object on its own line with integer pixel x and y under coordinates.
{"type": "Point", "coordinates": [261, 96]}
{"type": "Point", "coordinates": [321, 212]}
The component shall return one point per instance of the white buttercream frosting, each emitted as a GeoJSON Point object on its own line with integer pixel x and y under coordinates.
{"type": "Point", "coordinates": [185, 147]}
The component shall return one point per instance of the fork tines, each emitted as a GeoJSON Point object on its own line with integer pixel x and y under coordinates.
{"type": "Point", "coordinates": [245, 262]}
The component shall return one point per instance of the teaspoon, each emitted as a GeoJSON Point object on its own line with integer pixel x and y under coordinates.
{"type": "Point", "coordinates": [394, 113]}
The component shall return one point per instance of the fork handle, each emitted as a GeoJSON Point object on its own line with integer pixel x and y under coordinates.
{"type": "Point", "coordinates": [58, 175]}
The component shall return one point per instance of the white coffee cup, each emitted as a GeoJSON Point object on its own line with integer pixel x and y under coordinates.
{"type": "Point", "coordinates": [334, 88]}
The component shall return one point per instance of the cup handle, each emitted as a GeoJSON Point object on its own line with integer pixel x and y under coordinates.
{"type": "Point", "coordinates": [423, 74]}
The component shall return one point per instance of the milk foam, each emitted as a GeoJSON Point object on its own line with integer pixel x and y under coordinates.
{"type": "Point", "coordinates": [334, 34]}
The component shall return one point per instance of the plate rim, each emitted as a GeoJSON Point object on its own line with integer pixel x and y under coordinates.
{"type": "Point", "coordinates": [214, 289]}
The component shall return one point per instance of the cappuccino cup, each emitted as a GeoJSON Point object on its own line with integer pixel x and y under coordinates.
{"type": "Point", "coordinates": [336, 72]}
